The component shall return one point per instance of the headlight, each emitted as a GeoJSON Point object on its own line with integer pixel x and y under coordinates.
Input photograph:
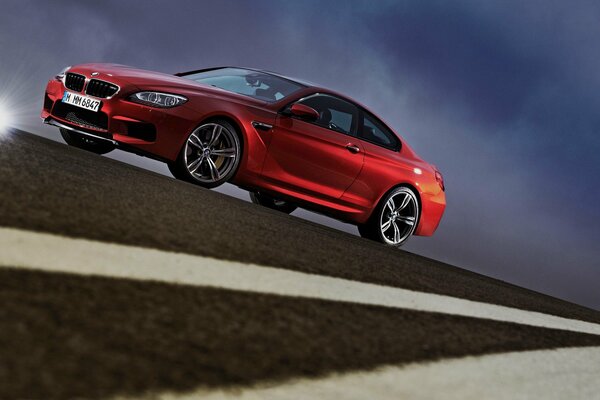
{"type": "Point", "coordinates": [157, 99]}
{"type": "Point", "coordinates": [62, 73]}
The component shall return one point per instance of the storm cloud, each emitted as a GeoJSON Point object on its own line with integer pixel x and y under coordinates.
{"type": "Point", "coordinates": [502, 96]}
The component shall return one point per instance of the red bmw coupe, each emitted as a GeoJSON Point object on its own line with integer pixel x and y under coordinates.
{"type": "Point", "coordinates": [289, 142]}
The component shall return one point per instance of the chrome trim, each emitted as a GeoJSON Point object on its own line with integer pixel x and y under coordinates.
{"type": "Point", "coordinates": [87, 81]}
{"type": "Point", "coordinates": [262, 126]}
{"type": "Point", "coordinates": [53, 122]}
{"type": "Point", "coordinates": [85, 85]}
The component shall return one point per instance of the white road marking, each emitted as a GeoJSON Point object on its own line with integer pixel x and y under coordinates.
{"type": "Point", "coordinates": [42, 251]}
{"type": "Point", "coordinates": [566, 373]}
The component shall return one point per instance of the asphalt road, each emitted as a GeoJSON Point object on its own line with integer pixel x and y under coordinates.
{"type": "Point", "coordinates": [70, 336]}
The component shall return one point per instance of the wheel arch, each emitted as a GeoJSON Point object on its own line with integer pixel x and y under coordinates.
{"type": "Point", "coordinates": [406, 185]}
{"type": "Point", "coordinates": [211, 118]}
{"type": "Point", "coordinates": [230, 119]}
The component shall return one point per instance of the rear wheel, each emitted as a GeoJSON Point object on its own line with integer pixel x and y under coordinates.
{"type": "Point", "coordinates": [271, 202]}
{"type": "Point", "coordinates": [86, 143]}
{"type": "Point", "coordinates": [210, 155]}
{"type": "Point", "coordinates": [395, 218]}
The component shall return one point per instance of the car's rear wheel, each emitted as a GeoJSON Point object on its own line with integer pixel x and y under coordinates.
{"type": "Point", "coordinates": [271, 202]}
{"type": "Point", "coordinates": [86, 143]}
{"type": "Point", "coordinates": [210, 156]}
{"type": "Point", "coordinates": [395, 218]}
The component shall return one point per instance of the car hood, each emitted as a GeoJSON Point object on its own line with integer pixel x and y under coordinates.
{"type": "Point", "coordinates": [132, 79]}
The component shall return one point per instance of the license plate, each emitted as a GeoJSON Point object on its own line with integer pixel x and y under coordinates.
{"type": "Point", "coordinates": [81, 101]}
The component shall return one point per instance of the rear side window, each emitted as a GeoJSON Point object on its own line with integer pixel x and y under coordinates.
{"type": "Point", "coordinates": [373, 130]}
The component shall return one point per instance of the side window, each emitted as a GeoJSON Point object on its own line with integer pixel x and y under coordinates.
{"type": "Point", "coordinates": [374, 131]}
{"type": "Point", "coordinates": [335, 114]}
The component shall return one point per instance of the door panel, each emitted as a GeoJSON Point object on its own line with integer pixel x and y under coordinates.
{"type": "Point", "coordinates": [312, 159]}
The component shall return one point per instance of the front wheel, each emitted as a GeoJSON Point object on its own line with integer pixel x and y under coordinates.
{"type": "Point", "coordinates": [85, 143]}
{"type": "Point", "coordinates": [271, 202]}
{"type": "Point", "coordinates": [210, 155]}
{"type": "Point", "coordinates": [394, 219]}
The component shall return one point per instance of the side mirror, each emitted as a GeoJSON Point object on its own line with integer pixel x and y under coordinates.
{"type": "Point", "coordinates": [302, 111]}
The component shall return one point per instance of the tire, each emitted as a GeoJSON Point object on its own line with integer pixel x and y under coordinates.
{"type": "Point", "coordinates": [210, 155]}
{"type": "Point", "coordinates": [395, 218]}
{"type": "Point", "coordinates": [176, 171]}
{"type": "Point", "coordinates": [272, 203]}
{"type": "Point", "coordinates": [83, 142]}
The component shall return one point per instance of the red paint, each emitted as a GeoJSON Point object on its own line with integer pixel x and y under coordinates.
{"type": "Point", "coordinates": [318, 168]}
{"type": "Point", "coordinates": [301, 110]}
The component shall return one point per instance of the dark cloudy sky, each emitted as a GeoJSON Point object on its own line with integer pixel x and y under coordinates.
{"type": "Point", "coordinates": [503, 96]}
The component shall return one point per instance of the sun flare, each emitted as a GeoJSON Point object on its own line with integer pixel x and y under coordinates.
{"type": "Point", "coordinates": [5, 120]}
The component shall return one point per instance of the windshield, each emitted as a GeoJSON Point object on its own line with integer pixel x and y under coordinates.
{"type": "Point", "coordinates": [247, 82]}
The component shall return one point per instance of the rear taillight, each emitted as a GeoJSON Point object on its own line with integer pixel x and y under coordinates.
{"type": "Point", "coordinates": [440, 179]}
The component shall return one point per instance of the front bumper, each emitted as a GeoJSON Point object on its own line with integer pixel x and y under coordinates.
{"type": "Point", "coordinates": [51, 121]}
{"type": "Point", "coordinates": [152, 131]}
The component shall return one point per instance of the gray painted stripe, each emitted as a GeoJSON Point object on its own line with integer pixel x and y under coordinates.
{"type": "Point", "coordinates": [567, 373]}
{"type": "Point", "coordinates": [42, 251]}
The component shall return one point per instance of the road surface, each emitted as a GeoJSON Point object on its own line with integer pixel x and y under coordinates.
{"type": "Point", "coordinates": [117, 282]}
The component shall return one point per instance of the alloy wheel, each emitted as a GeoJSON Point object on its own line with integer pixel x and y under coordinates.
{"type": "Point", "coordinates": [211, 152]}
{"type": "Point", "coordinates": [398, 217]}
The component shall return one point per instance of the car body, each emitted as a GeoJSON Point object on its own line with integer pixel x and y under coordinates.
{"type": "Point", "coordinates": [343, 161]}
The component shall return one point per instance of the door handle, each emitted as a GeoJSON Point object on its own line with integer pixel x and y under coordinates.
{"type": "Point", "coordinates": [352, 148]}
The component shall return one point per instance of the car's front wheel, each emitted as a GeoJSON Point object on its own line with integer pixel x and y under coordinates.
{"type": "Point", "coordinates": [270, 202]}
{"type": "Point", "coordinates": [83, 142]}
{"type": "Point", "coordinates": [395, 218]}
{"type": "Point", "coordinates": [210, 155]}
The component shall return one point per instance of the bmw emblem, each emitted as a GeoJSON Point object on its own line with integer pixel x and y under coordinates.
{"type": "Point", "coordinates": [95, 73]}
